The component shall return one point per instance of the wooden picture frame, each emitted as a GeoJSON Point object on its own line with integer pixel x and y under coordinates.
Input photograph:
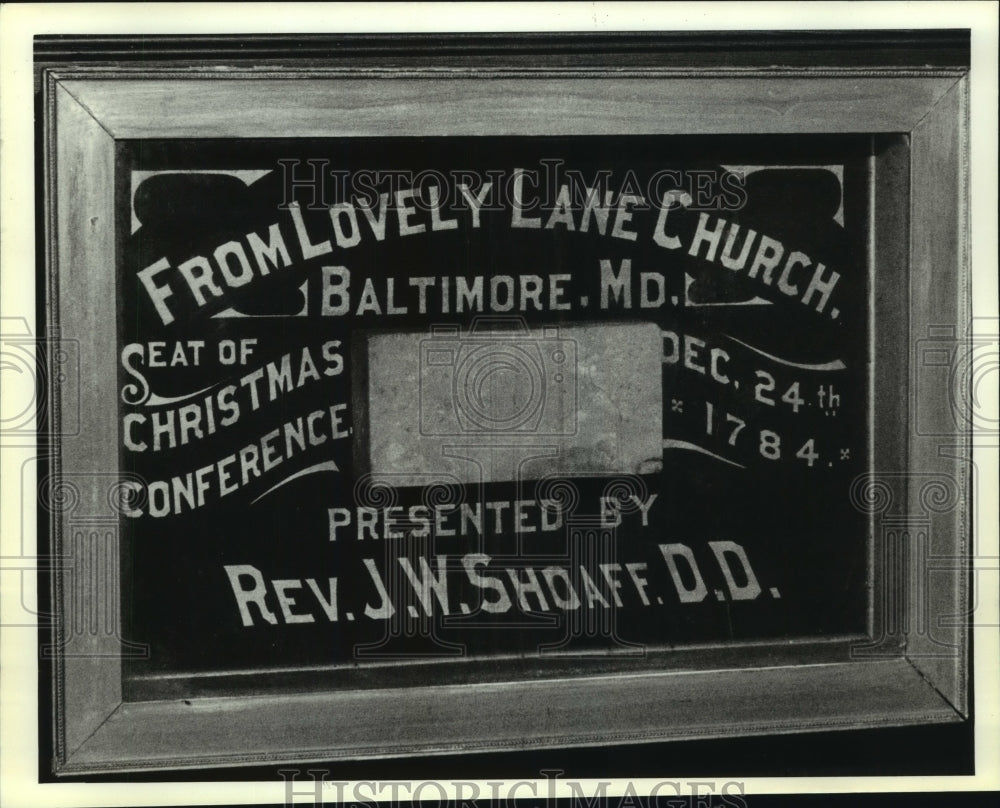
{"type": "Point", "coordinates": [912, 666]}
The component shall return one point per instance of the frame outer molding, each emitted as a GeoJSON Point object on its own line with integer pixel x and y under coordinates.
{"type": "Point", "coordinates": [344, 102]}
{"type": "Point", "coordinates": [938, 507]}
{"type": "Point", "coordinates": [78, 494]}
{"type": "Point", "coordinates": [87, 110]}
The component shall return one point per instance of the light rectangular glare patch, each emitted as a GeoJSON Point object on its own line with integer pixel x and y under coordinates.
{"type": "Point", "coordinates": [494, 404]}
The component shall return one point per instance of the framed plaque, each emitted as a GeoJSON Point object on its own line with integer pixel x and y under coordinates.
{"type": "Point", "coordinates": [598, 394]}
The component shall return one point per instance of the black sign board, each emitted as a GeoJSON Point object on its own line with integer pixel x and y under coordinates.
{"type": "Point", "coordinates": [408, 399]}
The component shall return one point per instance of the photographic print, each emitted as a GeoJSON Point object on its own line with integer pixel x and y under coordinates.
{"type": "Point", "coordinates": [559, 400]}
